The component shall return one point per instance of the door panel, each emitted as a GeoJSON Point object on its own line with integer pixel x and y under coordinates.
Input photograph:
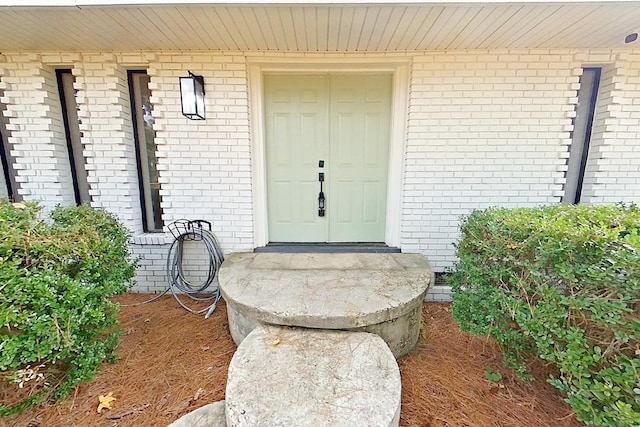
{"type": "Point", "coordinates": [371, 202]}
{"type": "Point", "coordinates": [296, 135]}
{"type": "Point", "coordinates": [344, 120]}
{"type": "Point", "coordinates": [359, 143]}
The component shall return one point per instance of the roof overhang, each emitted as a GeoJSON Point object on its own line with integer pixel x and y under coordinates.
{"type": "Point", "coordinates": [310, 26]}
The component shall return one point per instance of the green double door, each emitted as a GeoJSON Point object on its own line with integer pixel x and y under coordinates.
{"type": "Point", "coordinates": [341, 121]}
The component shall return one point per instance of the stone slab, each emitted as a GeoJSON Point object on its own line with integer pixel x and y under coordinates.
{"type": "Point", "coordinates": [211, 415]}
{"type": "Point", "coordinates": [379, 293]}
{"type": "Point", "coordinates": [400, 334]}
{"type": "Point", "coordinates": [328, 291]}
{"type": "Point", "coordinates": [303, 377]}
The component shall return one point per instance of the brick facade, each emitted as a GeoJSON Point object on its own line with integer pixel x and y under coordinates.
{"type": "Point", "coordinates": [613, 168]}
{"type": "Point", "coordinates": [484, 128]}
{"type": "Point", "coordinates": [36, 131]}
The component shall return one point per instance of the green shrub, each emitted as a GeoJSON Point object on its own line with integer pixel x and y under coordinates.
{"type": "Point", "coordinates": [56, 281]}
{"type": "Point", "coordinates": [561, 283]}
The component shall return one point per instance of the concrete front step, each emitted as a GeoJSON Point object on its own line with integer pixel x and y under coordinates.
{"type": "Point", "coordinates": [377, 293]}
{"type": "Point", "coordinates": [304, 377]}
{"type": "Point", "coordinates": [211, 415]}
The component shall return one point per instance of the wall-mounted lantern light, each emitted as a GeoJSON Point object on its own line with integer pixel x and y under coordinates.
{"type": "Point", "coordinates": [192, 96]}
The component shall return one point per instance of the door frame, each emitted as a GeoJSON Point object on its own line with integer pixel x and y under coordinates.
{"type": "Point", "coordinates": [397, 67]}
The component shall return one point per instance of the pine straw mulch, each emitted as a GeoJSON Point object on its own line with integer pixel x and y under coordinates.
{"type": "Point", "coordinates": [172, 362]}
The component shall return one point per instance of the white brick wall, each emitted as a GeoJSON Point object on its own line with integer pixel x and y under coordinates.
{"type": "Point", "coordinates": [36, 130]}
{"type": "Point", "coordinates": [484, 128]}
{"type": "Point", "coordinates": [613, 167]}
{"type": "Point", "coordinates": [205, 166]}
{"type": "Point", "coordinates": [107, 136]}
{"type": "Point", "coordinates": [439, 293]}
{"type": "Point", "coordinates": [151, 274]}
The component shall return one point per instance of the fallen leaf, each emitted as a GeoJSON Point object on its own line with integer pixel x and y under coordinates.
{"type": "Point", "coordinates": [275, 342]}
{"type": "Point", "coordinates": [638, 352]}
{"type": "Point", "coordinates": [198, 393]}
{"type": "Point", "coordinates": [105, 401]}
{"type": "Point", "coordinates": [205, 347]}
{"type": "Point", "coordinates": [19, 205]}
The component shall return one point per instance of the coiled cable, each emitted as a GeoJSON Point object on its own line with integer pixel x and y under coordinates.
{"type": "Point", "coordinates": [183, 231]}
{"type": "Point", "coordinates": [180, 287]}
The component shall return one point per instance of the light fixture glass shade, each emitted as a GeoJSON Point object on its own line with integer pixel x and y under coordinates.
{"type": "Point", "coordinates": [192, 96]}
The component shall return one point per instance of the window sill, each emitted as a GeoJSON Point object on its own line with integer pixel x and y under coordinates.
{"type": "Point", "coordinates": [152, 239]}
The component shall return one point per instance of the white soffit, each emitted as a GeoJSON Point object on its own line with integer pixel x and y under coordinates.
{"type": "Point", "coordinates": [386, 26]}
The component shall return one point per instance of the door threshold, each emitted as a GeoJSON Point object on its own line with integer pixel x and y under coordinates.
{"type": "Point", "coordinates": [355, 247]}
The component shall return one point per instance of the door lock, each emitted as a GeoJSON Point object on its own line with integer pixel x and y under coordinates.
{"type": "Point", "coordinates": [321, 199]}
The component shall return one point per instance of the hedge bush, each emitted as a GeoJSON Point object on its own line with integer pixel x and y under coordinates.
{"type": "Point", "coordinates": [561, 283]}
{"type": "Point", "coordinates": [56, 280]}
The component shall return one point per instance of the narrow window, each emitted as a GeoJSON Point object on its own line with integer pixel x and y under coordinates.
{"type": "Point", "coordinates": [582, 125]}
{"type": "Point", "coordinates": [72, 132]}
{"type": "Point", "coordinates": [9, 188]}
{"type": "Point", "coordinates": [141, 109]}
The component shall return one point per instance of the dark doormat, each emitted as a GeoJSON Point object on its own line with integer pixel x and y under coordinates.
{"type": "Point", "coordinates": [328, 247]}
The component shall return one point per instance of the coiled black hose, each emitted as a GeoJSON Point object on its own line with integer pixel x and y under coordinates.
{"type": "Point", "coordinates": [185, 231]}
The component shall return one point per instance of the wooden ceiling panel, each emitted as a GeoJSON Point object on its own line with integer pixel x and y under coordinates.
{"type": "Point", "coordinates": [518, 24]}
{"type": "Point", "coordinates": [460, 25]}
{"type": "Point", "coordinates": [552, 26]}
{"type": "Point", "coordinates": [616, 29]}
{"type": "Point", "coordinates": [315, 27]}
{"type": "Point", "coordinates": [420, 38]}
{"type": "Point", "coordinates": [488, 20]}
{"type": "Point", "coordinates": [391, 29]}
{"type": "Point", "coordinates": [355, 29]}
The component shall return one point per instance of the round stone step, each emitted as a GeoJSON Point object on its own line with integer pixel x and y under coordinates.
{"type": "Point", "coordinates": [302, 377]}
{"type": "Point", "coordinates": [211, 415]}
{"type": "Point", "coordinates": [377, 293]}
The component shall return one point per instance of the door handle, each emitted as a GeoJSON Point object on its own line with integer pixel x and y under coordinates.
{"type": "Point", "coordinates": [321, 198]}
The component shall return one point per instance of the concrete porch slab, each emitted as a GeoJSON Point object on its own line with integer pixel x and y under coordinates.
{"type": "Point", "coordinates": [378, 293]}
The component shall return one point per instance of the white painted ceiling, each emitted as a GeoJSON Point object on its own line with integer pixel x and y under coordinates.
{"type": "Point", "coordinates": [356, 26]}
